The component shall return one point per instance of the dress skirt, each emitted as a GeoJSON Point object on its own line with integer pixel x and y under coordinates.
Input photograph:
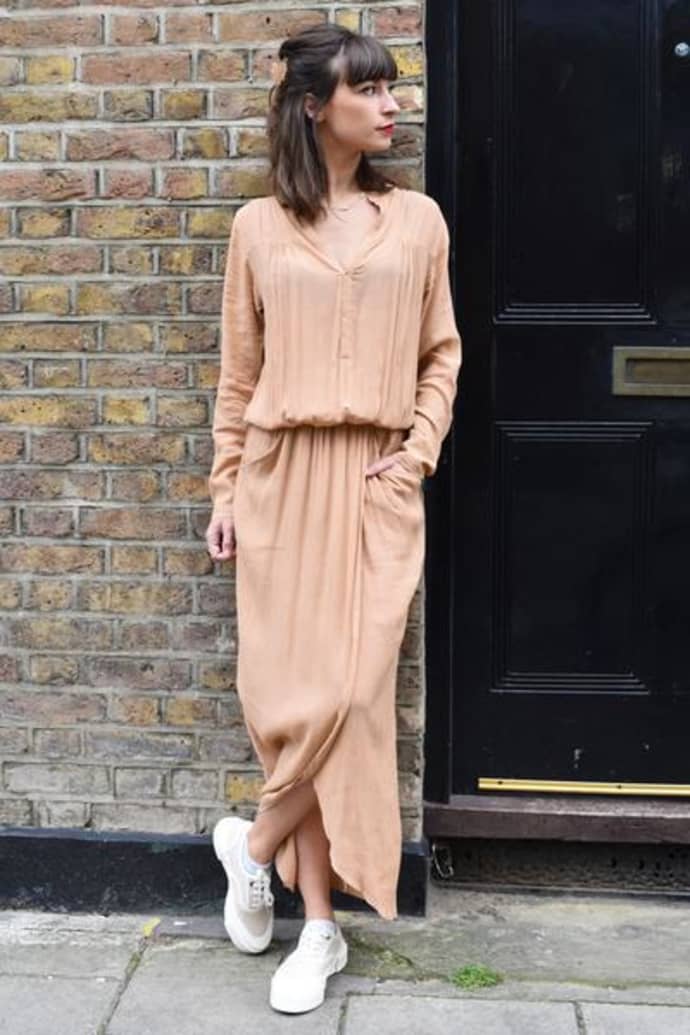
{"type": "Point", "coordinates": [327, 563]}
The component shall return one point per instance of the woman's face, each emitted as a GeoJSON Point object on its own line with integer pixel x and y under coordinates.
{"type": "Point", "coordinates": [354, 117]}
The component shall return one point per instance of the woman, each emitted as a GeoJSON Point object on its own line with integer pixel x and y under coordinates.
{"type": "Point", "coordinates": [339, 362]}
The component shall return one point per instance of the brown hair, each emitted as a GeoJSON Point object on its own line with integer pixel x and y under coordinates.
{"type": "Point", "coordinates": [316, 60]}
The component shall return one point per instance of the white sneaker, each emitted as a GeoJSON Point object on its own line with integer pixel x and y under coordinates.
{"type": "Point", "coordinates": [299, 983]}
{"type": "Point", "coordinates": [248, 912]}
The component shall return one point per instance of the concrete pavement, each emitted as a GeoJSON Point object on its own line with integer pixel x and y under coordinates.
{"type": "Point", "coordinates": [564, 964]}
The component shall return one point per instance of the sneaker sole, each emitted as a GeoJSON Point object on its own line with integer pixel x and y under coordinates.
{"type": "Point", "coordinates": [303, 1005]}
{"type": "Point", "coordinates": [233, 924]}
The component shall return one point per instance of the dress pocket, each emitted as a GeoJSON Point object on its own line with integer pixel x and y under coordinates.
{"type": "Point", "coordinates": [259, 443]}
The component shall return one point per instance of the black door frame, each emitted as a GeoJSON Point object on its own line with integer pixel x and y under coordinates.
{"type": "Point", "coordinates": [443, 167]}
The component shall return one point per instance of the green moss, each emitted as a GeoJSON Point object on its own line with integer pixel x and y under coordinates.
{"type": "Point", "coordinates": [475, 975]}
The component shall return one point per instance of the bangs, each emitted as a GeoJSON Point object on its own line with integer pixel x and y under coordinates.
{"type": "Point", "coordinates": [364, 58]}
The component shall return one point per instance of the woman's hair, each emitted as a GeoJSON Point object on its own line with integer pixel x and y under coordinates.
{"type": "Point", "coordinates": [317, 59]}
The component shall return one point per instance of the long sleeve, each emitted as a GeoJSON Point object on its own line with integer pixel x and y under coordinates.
{"type": "Point", "coordinates": [241, 357]}
{"type": "Point", "coordinates": [440, 359]}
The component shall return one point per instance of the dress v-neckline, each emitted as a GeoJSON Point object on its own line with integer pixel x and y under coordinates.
{"type": "Point", "coordinates": [368, 240]}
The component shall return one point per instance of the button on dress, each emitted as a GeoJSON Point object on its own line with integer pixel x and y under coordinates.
{"type": "Point", "coordinates": [326, 368]}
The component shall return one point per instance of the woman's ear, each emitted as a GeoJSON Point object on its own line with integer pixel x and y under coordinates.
{"type": "Point", "coordinates": [310, 109]}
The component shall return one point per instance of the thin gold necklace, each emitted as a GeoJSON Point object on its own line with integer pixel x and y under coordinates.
{"type": "Point", "coordinates": [345, 208]}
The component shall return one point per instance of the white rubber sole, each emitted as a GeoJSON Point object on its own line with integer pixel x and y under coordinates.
{"type": "Point", "coordinates": [234, 927]}
{"type": "Point", "coordinates": [301, 1004]}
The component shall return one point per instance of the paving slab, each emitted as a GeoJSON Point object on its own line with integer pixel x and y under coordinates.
{"type": "Point", "coordinates": [635, 1020]}
{"type": "Point", "coordinates": [598, 939]}
{"type": "Point", "coordinates": [428, 1016]}
{"type": "Point", "coordinates": [191, 986]}
{"type": "Point", "coordinates": [36, 1005]}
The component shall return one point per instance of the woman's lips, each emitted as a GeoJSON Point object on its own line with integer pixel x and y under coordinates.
{"type": "Point", "coordinates": [386, 129]}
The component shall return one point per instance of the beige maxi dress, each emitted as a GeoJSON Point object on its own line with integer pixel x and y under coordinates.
{"type": "Point", "coordinates": [324, 369]}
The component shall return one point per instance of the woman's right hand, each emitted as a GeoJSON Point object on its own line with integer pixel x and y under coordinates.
{"type": "Point", "coordinates": [220, 538]}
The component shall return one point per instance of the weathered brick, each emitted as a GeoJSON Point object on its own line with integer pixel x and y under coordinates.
{"type": "Point", "coordinates": [140, 782]}
{"type": "Point", "coordinates": [131, 523]}
{"type": "Point", "coordinates": [242, 181]}
{"type": "Point", "coordinates": [209, 142]}
{"type": "Point", "coordinates": [53, 107]}
{"type": "Point", "coordinates": [128, 105]}
{"type": "Point", "coordinates": [57, 670]}
{"type": "Point", "coordinates": [132, 259]}
{"type": "Point", "coordinates": [229, 747]}
{"type": "Point", "coordinates": [209, 222]}
{"type": "Point", "coordinates": [10, 594]}
{"type": "Point", "coordinates": [176, 411]}
{"type": "Point", "coordinates": [49, 595]}
{"type": "Point", "coordinates": [12, 446]}
{"type": "Point", "coordinates": [133, 560]}
{"type": "Point", "coordinates": [50, 560]}
{"type": "Point", "coordinates": [217, 675]}
{"type": "Point", "coordinates": [134, 710]}
{"type": "Point", "coordinates": [59, 410]}
{"type": "Point", "coordinates": [241, 102]}
{"type": "Point", "coordinates": [184, 105]}
{"type": "Point", "coordinates": [44, 222]}
{"type": "Point", "coordinates": [119, 222]}
{"type": "Point", "coordinates": [49, 68]}
{"type": "Point", "coordinates": [151, 297]}
{"type": "Point", "coordinates": [190, 711]}
{"type": "Point", "coordinates": [52, 31]}
{"type": "Point", "coordinates": [15, 812]}
{"type": "Point", "coordinates": [195, 784]}
{"type": "Point", "coordinates": [14, 740]}
{"type": "Point", "coordinates": [128, 337]}
{"type": "Point", "coordinates": [37, 146]}
{"type": "Point", "coordinates": [39, 337]}
{"type": "Point", "coordinates": [127, 30]}
{"type": "Point", "coordinates": [60, 633]}
{"type": "Point", "coordinates": [51, 373]}
{"type": "Point", "coordinates": [51, 706]}
{"type": "Point", "coordinates": [143, 486]}
{"type": "Point", "coordinates": [70, 814]}
{"type": "Point", "coordinates": [115, 744]}
{"type": "Point", "coordinates": [243, 787]}
{"type": "Point", "coordinates": [162, 819]}
{"type": "Point", "coordinates": [181, 184]}
{"type": "Point", "coordinates": [140, 448]}
{"type": "Point", "coordinates": [192, 561]}
{"type": "Point", "coordinates": [60, 743]}
{"type": "Point", "coordinates": [396, 21]}
{"type": "Point", "coordinates": [48, 521]}
{"type": "Point", "coordinates": [138, 673]}
{"type": "Point", "coordinates": [143, 636]}
{"type": "Point", "coordinates": [188, 27]}
{"type": "Point", "coordinates": [128, 183]}
{"type": "Point", "coordinates": [150, 598]}
{"type": "Point", "coordinates": [51, 184]}
{"type": "Point", "coordinates": [57, 447]}
{"type": "Point", "coordinates": [258, 26]}
{"type": "Point", "coordinates": [147, 67]}
{"type": "Point", "coordinates": [140, 143]}
{"type": "Point", "coordinates": [128, 409]}
{"type": "Point", "coordinates": [44, 298]}
{"type": "Point", "coordinates": [189, 338]}
{"type": "Point", "coordinates": [222, 66]}
{"type": "Point", "coordinates": [185, 260]}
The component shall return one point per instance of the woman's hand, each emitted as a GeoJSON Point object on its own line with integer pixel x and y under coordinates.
{"type": "Point", "coordinates": [381, 465]}
{"type": "Point", "coordinates": [220, 538]}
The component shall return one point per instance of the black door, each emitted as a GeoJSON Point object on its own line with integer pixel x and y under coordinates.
{"type": "Point", "coordinates": [567, 506]}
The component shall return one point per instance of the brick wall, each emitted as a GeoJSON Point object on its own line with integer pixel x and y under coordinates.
{"type": "Point", "coordinates": [129, 134]}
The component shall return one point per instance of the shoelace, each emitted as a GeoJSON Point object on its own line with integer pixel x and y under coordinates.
{"type": "Point", "coordinates": [260, 890]}
{"type": "Point", "coordinates": [312, 943]}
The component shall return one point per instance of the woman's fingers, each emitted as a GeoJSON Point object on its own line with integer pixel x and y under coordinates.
{"type": "Point", "coordinates": [381, 465]}
{"type": "Point", "coordinates": [220, 538]}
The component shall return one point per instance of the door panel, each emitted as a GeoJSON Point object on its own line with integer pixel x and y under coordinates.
{"type": "Point", "coordinates": [571, 492]}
